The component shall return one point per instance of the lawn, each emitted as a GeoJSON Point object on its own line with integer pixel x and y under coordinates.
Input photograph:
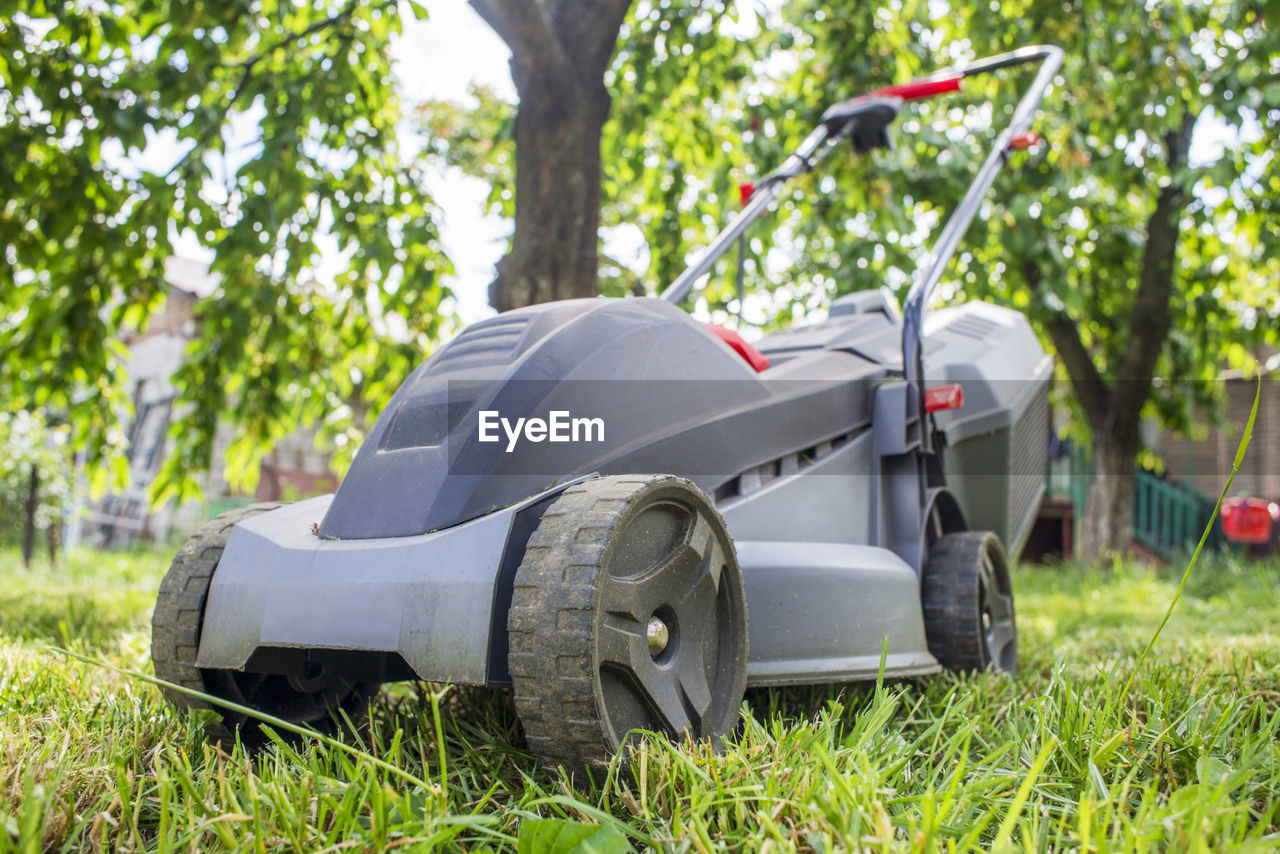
{"type": "Point", "coordinates": [1056, 759]}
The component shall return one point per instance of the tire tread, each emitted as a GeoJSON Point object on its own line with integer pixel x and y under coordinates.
{"type": "Point", "coordinates": [551, 666]}
{"type": "Point", "coordinates": [950, 598]}
{"type": "Point", "coordinates": [179, 610]}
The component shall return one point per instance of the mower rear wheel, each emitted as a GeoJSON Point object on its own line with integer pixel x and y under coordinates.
{"type": "Point", "coordinates": [968, 603]}
{"type": "Point", "coordinates": [629, 613]}
{"type": "Point", "coordinates": [311, 699]}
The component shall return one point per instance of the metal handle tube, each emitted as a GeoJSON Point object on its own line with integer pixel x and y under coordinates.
{"type": "Point", "coordinates": [819, 144]}
{"type": "Point", "coordinates": [935, 263]}
{"type": "Point", "coordinates": [809, 154]}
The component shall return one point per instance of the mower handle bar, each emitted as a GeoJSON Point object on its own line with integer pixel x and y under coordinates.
{"type": "Point", "coordinates": [819, 143]}
{"type": "Point", "coordinates": [944, 247]}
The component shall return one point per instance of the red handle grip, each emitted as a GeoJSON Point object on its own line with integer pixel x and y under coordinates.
{"type": "Point", "coordinates": [913, 90]}
{"type": "Point", "coordinates": [1024, 140]}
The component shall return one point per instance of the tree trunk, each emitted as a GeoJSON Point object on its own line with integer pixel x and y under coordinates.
{"type": "Point", "coordinates": [559, 52]}
{"type": "Point", "coordinates": [1114, 409]}
{"type": "Point", "coordinates": [29, 518]}
{"type": "Point", "coordinates": [1108, 518]}
{"type": "Point", "coordinates": [54, 537]}
{"type": "Point", "coordinates": [553, 251]}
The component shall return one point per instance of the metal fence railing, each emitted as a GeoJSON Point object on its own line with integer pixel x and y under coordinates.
{"type": "Point", "coordinates": [1168, 516]}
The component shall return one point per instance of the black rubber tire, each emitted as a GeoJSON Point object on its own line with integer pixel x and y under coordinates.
{"type": "Point", "coordinates": [175, 636]}
{"type": "Point", "coordinates": [967, 595]}
{"type": "Point", "coordinates": [576, 698]}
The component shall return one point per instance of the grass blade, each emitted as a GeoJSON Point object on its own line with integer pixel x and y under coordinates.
{"type": "Point", "coordinates": [279, 723]}
{"type": "Point", "coordinates": [1245, 438]}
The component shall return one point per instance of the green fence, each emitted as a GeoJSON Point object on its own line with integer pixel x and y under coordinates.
{"type": "Point", "coordinates": [1168, 516]}
{"type": "Point", "coordinates": [1068, 476]}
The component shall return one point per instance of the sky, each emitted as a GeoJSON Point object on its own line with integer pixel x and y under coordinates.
{"type": "Point", "coordinates": [439, 59]}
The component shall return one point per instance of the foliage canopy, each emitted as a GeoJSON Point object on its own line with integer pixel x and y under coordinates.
{"type": "Point", "coordinates": [280, 123]}
{"type": "Point", "coordinates": [266, 131]}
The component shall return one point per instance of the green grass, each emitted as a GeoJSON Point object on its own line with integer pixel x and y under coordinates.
{"type": "Point", "coordinates": [93, 760]}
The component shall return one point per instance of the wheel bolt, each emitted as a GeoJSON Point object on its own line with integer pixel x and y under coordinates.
{"type": "Point", "coordinates": [657, 635]}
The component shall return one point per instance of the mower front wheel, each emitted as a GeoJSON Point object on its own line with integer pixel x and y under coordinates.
{"type": "Point", "coordinates": [629, 613]}
{"type": "Point", "coordinates": [968, 603]}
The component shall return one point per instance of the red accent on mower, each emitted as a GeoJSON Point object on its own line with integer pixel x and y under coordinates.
{"type": "Point", "coordinates": [939, 398]}
{"type": "Point", "coordinates": [757, 360]}
{"type": "Point", "coordinates": [1023, 141]}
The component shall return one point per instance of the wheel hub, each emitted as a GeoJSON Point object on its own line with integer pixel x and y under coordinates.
{"type": "Point", "coordinates": [315, 678]}
{"type": "Point", "coordinates": [658, 635]}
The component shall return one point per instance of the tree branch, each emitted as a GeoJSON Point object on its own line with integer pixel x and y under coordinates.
{"type": "Point", "coordinates": [523, 24]}
{"type": "Point", "coordinates": [1090, 388]}
{"type": "Point", "coordinates": [1150, 319]}
{"type": "Point", "coordinates": [491, 14]}
{"type": "Point", "coordinates": [589, 30]}
{"type": "Point", "coordinates": [246, 76]}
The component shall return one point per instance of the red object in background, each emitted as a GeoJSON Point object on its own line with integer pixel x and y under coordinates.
{"type": "Point", "coordinates": [1024, 140]}
{"type": "Point", "coordinates": [950, 396]}
{"type": "Point", "coordinates": [913, 90]}
{"type": "Point", "coordinates": [745, 191]}
{"type": "Point", "coordinates": [1249, 520]}
{"type": "Point", "coordinates": [754, 357]}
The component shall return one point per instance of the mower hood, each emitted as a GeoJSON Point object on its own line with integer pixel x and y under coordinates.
{"type": "Point", "coordinates": [424, 466]}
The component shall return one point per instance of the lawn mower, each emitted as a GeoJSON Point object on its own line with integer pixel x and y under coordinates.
{"type": "Point", "coordinates": [629, 517]}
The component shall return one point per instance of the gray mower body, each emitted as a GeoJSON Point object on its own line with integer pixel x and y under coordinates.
{"type": "Point", "coordinates": [814, 463]}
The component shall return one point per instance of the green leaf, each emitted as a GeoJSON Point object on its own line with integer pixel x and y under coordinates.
{"type": "Point", "coordinates": [1211, 771]}
{"type": "Point", "coordinates": [565, 836]}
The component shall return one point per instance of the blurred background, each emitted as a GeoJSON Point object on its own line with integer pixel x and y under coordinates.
{"type": "Point", "coordinates": [229, 230]}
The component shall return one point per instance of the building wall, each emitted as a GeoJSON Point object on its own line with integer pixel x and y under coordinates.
{"type": "Point", "coordinates": [295, 468]}
{"type": "Point", "coordinates": [1204, 459]}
